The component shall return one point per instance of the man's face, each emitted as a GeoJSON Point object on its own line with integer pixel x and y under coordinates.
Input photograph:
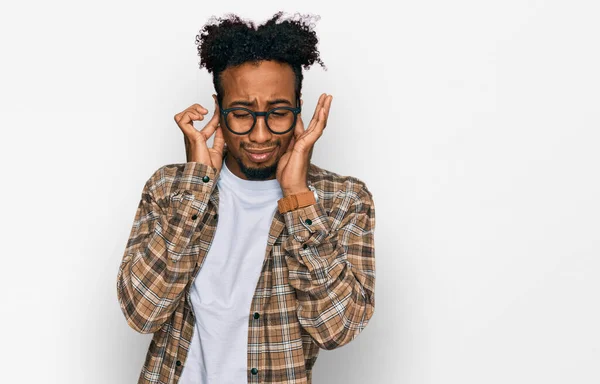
{"type": "Point", "coordinates": [258, 88]}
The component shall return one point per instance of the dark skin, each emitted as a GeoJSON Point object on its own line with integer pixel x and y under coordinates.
{"type": "Point", "coordinates": [257, 85]}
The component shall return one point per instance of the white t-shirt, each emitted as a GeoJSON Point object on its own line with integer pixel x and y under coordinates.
{"type": "Point", "coordinates": [222, 292]}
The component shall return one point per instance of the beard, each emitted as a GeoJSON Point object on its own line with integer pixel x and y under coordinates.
{"type": "Point", "coordinates": [262, 173]}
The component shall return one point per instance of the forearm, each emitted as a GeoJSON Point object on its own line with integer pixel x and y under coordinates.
{"type": "Point", "coordinates": [158, 259]}
{"type": "Point", "coordinates": [331, 266]}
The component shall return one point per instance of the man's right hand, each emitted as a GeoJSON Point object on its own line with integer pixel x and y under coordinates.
{"type": "Point", "coordinates": [196, 149]}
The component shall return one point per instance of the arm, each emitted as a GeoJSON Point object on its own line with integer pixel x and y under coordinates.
{"type": "Point", "coordinates": [331, 263]}
{"type": "Point", "coordinates": [157, 262]}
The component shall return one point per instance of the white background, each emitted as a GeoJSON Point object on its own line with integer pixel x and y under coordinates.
{"type": "Point", "coordinates": [474, 123]}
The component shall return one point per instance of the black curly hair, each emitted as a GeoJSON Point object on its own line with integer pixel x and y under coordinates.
{"type": "Point", "coordinates": [231, 41]}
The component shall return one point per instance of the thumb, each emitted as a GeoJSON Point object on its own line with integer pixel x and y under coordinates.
{"type": "Point", "coordinates": [212, 125]}
{"type": "Point", "coordinates": [219, 141]}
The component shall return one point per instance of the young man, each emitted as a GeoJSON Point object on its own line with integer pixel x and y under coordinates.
{"type": "Point", "coordinates": [248, 258]}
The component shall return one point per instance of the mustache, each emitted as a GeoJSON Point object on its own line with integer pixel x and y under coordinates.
{"type": "Point", "coordinates": [269, 146]}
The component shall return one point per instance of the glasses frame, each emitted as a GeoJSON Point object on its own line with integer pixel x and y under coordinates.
{"type": "Point", "coordinates": [295, 111]}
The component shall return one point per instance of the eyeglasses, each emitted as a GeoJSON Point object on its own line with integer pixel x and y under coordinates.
{"type": "Point", "coordinates": [280, 120]}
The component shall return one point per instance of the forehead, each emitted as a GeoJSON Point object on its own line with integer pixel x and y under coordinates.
{"type": "Point", "coordinates": [263, 80]}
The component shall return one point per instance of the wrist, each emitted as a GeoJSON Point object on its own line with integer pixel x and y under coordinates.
{"type": "Point", "coordinates": [294, 191]}
{"type": "Point", "coordinates": [293, 201]}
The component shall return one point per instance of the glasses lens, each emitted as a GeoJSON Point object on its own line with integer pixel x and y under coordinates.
{"type": "Point", "coordinates": [280, 120]}
{"type": "Point", "coordinates": [240, 121]}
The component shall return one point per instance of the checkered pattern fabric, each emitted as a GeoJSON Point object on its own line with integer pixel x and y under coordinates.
{"type": "Point", "coordinates": [316, 288]}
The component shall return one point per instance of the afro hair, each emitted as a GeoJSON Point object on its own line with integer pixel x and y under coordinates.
{"type": "Point", "coordinates": [232, 41]}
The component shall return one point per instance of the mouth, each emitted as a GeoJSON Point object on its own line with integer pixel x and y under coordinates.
{"type": "Point", "coordinates": [260, 156]}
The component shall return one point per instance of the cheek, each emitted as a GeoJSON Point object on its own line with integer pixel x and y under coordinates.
{"type": "Point", "coordinates": [233, 145]}
{"type": "Point", "coordinates": [232, 142]}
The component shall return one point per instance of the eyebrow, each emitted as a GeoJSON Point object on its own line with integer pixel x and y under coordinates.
{"type": "Point", "coordinates": [246, 103]}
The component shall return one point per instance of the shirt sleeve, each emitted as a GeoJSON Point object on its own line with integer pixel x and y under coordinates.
{"type": "Point", "coordinates": [157, 262]}
{"type": "Point", "coordinates": [331, 264]}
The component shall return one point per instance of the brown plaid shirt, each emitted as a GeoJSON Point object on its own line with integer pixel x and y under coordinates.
{"type": "Point", "coordinates": [316, 288]}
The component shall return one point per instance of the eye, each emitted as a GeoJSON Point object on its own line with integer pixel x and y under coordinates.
{"type": "Point", "coordinates": [280, 113]}
{"type": "Point", "coordinates": [241, 115]}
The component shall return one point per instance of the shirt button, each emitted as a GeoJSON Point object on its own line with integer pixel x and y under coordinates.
{"type": "Point", "coordinates": [194, 216]}
{"type": "Point", "coordinates": [308, 221]}
{"type": "Point", "coordinates": [256, 315]}
{"type": "Point", "coordinates": [304, 246]}
{"type": "Point", "coordinates": [178, 363]}
{"type": "Point", "coordinates": [216, 216]}
{"type": "Point", "coordinates": [254, 371]}
{"type": "Point", "coordinates": [206, 179]}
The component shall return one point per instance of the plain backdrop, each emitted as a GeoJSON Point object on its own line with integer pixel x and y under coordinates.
{"type": "Point", "coordinates": [475, 124]}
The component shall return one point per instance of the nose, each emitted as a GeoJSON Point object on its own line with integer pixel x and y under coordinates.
{"type": "Point", "coordinates": [260, 133]}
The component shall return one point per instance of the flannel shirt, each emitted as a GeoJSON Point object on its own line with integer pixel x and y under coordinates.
{"type": "Point", "coordinates": [316, 288]}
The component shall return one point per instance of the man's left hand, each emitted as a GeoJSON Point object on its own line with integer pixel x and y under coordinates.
{"type": "Point", "coordinates": [292, 170]}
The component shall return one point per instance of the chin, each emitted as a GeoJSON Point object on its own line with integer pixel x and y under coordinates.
{"type": "Point", "coordinates": [259, 171]}
{"type": "Point", "coordinates": [261, 166]}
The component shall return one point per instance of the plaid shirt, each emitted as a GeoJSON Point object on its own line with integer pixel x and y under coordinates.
{"type": "Point", "coordinates": [316, 287]}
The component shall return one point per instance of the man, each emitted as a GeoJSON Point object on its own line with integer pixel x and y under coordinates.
{"type": "Point", "coordinates": [248, 258]}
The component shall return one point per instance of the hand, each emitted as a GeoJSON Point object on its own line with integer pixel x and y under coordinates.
{"type": "Point", "coordinates": [292, 170]}
{"type": "Point", "coordinates": [196, 149]}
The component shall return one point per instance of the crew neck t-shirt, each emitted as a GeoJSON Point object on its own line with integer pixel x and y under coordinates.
{"type": "Point", "coordinates": [222, 292]}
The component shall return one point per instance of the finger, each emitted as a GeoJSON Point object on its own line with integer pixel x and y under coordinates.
{"type": "Point", "coordinates": [186, 116]}
{"type": "Point", "coordinates": [196, 115]}
{"type": "Point", "coordinates": [184, 121]}
{"type": "Point", "coordinates": [312, 135]}
{"type": "Point", "coordinates": [199, 109]}
{"type": "Point", "coordinates": [327, 109]}
{"type": "Point", "coordinates": [317, 107]}
{"type": "Point", "coordinates": [307, 140]}
{"type": "Point", "coordinates": [321, 121]}
{"type": "Point", "coordinates": [211, 126]}
{"type": "Point", "coordinates": [219, 142]}
{"type": "Point", "coordinates": [314, 122]}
